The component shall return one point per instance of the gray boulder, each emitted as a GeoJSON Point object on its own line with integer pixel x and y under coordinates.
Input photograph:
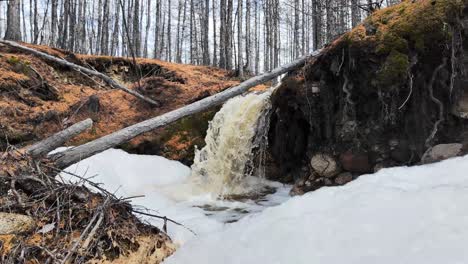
{"type": "Point", "coordinates": [442, 152]}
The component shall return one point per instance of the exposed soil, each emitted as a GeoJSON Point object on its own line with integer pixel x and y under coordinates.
{"type": "Point", "coordinates": [379, 96]}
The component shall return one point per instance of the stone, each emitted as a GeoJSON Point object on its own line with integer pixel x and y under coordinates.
{"type": "Point", "coordinates": [355, 162]}
{"type": "Point", "coordinates": [460, 108]}
{"type": "Point", "coordinates": [15, 223]}
{"type": "Point", "coordinates": [383, 165]}
{"type": "Point", "coordinates": [343, 178]}
{"type": "Point", "coordinates": [442, 152]}
{"type": "Point", "coordinates": [324, 165]}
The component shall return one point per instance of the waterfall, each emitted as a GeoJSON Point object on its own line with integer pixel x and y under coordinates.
{"type": "Point", "coordinates": [236, 130]}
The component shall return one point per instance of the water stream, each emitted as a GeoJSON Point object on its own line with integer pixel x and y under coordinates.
{"type": "Point", "coordinates": [220, 188]}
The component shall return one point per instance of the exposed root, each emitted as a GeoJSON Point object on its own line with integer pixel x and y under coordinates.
{"type": "Point", "coordinates": [414, 61]}
{"type": "Point", "coordinates": [348, 101]}
{"type": "Point", "coordinates": [437, 101]}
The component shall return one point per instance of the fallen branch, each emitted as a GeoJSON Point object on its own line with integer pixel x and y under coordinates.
{"type": "Point", "coordinates": [78, 153]}
{"type": "Point", "coordinates": [45, 146]}
{"type": "Point", "coordinates": [165, 220]}
{"type": "Point", "coordinates": [82, 69]}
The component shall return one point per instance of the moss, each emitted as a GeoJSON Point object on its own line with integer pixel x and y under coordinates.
{"type": "Point", "coordinates": [19, 66]}
{"type": "Point", "coordinates": [394, 70]}
{"type": "Point", "coordinates": [391, 42]}
{"type": "Point", "coordinates": [417, 25]}
{"type": "Point", "coordinates": [178, 140]}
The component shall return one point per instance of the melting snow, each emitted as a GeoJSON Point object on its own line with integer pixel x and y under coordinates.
{"type": "Point", "coordinates": [398, 215]}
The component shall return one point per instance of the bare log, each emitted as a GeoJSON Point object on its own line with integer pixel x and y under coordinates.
{"type": "Point", "coordinates": [79, 68]}
{"type": "Point", "coordinates": [45, 146]}
{"type": "Point", "coordinates": [78, 153]}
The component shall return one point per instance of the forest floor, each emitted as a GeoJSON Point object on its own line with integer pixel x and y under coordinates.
{"type": "Point", "coordinates": [43, 98]}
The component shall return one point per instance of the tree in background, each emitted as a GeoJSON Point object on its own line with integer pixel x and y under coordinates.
{"type": "Point", "coordinates": [13, 27]}
{"type": "Point", "coordinates": [248, 36]}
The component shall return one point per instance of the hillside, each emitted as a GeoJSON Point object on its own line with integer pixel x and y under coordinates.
{"type": "Point", "coordinates": [44, 98]}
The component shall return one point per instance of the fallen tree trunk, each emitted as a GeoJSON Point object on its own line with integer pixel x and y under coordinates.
{"type": "Point", "coordinates": [78, 153]}
{"type": "Point", "coordinates": [79, 68]}
{"type": "Point", "coordinates": [45, 146]}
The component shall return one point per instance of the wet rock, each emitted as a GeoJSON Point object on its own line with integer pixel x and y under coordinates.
{"type": "Point", "coordinates": [355, 162]}
{"type": "Point", "coordinates": [343, 178]}
{"type": "Point", "coordinates": [383, 165]}
{"type": "Point", "coordinates": [442, 152]}
{"type": "Point", "coordinates": [460, 108]}
{"type": "Point", "coordinates": [15, 223]}
{"type": "Point", "coordinates": [324, 165]}
{"type": "Point", "coordinates": [311, 184]}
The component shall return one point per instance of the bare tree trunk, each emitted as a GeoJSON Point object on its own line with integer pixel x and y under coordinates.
{"type": "Point", "coordinates": [105, 29]}
{"type": "Point", "coordinates": [136, 29]}
{"type": "Point", "coordinates": [355, 13]}
{"type": "Point", "coordinates": [248, 35]}
{"type": "Point", "coordinates": [45, 146]}
{"type": "Point", "coordinates": [206, 26]}
{"type": "Point", "coordinates": [215, 44]}
{"type": "Point", "coordinates": [36, 24]}
{"type": "Point", "coordinates": [240, 66]}
{"type": "Point", "coordinates": [317, 24]}
{"type": "Point", "coordinates": [53, 25]}
{"type": "Point", "coordinates": [229, 35]}
{"type": "Point", "coordinates": [115, 32]}
{"type": "Point", "coordinates": [257, 40]}
{"type": "Point", "coordinates": [169, 32]}
{"type": "Point", "coordinates": [148, 25]}
{"type": "Point", "coordinates": [13, 28]}
{"type": "Point", "coordinates": [222, 34]}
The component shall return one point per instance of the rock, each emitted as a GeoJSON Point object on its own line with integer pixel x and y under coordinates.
{"type": "Point", "coordinates": [15, 223]}
{"type": "Point", "coordinates": [343, 178]}
{"type": "Point", "coordinates": [460, 108]}
{"type": "Point", "coordinates": [308, 185]}
{"type": "Point", "coordinates": [442, 152]}
{"type": "Point", "coordinates": [383, 165]}
{"type": "Point", "coordinates": [355, 162]}
{"type": "Point", "coordinates": [324, 165]}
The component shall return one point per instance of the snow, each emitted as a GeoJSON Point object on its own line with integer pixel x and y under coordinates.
{"type": "Point", "coordinates": [398, 215]}
{"type": "Point", "coordinates": [167, 191]}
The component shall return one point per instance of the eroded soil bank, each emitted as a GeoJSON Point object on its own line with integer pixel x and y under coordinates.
{"type": "Point", "coordinates": [379, 96]}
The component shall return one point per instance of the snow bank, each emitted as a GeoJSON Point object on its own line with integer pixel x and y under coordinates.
{"type": "Point", "coordinates": [167, 191]}
{"type": "Point", "coordinates": [399, 215]}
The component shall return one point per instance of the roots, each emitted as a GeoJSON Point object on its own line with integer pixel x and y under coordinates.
{"type": "Point", "coordinates": [414, 61]}
{"type": "Point", "coordinates": [437, 101]}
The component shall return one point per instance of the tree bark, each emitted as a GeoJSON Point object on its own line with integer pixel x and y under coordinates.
{"type": "Point", "coordinates": [45, 146]}
{"type": "Point", "coordinates": [79, 68]}
{"type": "Point", "coordinates": [76, 154]}
{"type": "Point", "coordinates": [13, 28]}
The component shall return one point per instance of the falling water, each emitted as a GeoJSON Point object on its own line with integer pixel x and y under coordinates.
{"type": "Point", "coordinates": [236, 130]}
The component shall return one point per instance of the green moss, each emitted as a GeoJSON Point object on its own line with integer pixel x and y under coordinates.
{"type": "Point", "coordinates": [186, 132]}
{"type": "Point", "coordinates": [391, 42]}
{"type": "Point", "coordinates": [13, 60]}
{"type": "Point", "coordinates": [19, 65]}
{"type": "Point", "coordinates": [394, 70]}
